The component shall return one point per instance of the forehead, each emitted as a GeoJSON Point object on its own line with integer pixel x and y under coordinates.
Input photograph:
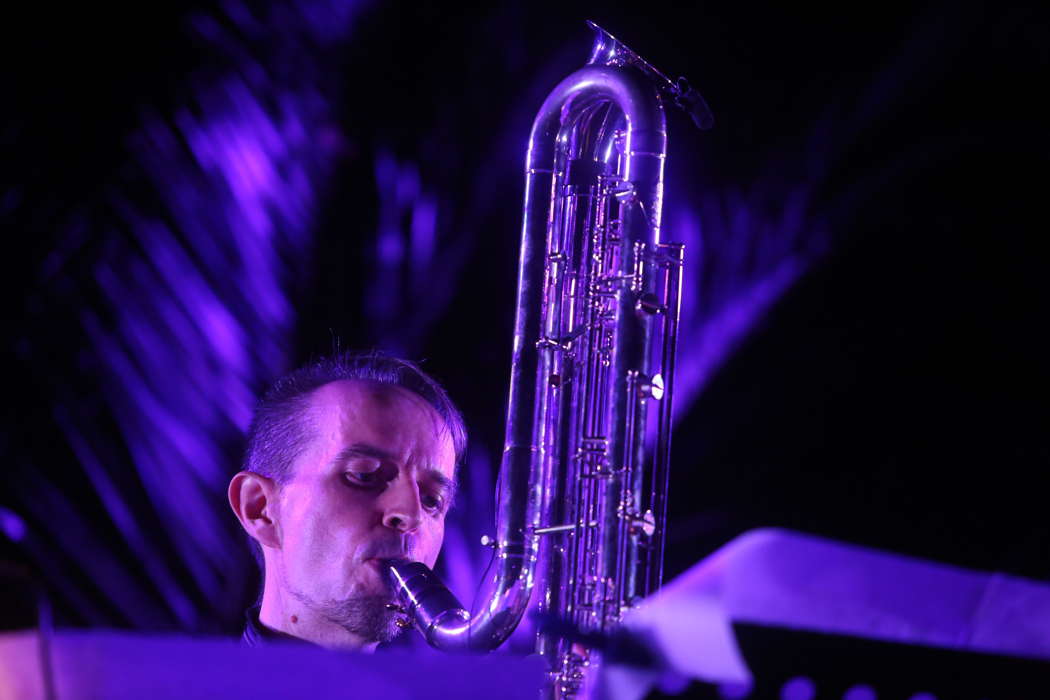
{"type": "Point", "coordinates": [391, 418]}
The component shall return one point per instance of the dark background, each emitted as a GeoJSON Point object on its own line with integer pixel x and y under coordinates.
{"type": "Point", "coordinates": [894, 395]}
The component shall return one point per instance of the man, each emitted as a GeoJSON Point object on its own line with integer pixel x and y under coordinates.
{"type": "Point", "coordinates": [350, 460]}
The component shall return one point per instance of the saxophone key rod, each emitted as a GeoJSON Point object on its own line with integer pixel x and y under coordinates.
{"type": "Point", "coordinates": [553, 529]}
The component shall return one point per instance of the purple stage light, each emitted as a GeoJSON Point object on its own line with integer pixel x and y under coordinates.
{"type": "Point", "coordinates": [207, 238]}
{"type": "Point", "coordinates": [735, 691]}
{"type": "Point", "coordinates": [798, 688]}
{"type": "Point", "coordinates": [860, 692]}
{"type": "Point", "coordinates": [11, 525]}
{"type": "Point", "coordinates": [740, 260]}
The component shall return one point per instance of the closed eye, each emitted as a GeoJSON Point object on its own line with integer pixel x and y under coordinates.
{"type": "Point", "coordinates": [363, 471]}
{"type": "Point", "coordinates": [362, 478]}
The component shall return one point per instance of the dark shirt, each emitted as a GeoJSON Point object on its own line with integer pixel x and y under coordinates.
{"type": "Point", "coordinates": [257, 634]}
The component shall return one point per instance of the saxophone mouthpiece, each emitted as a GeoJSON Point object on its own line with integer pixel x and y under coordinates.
{"type": "Point", "coordinates": [423, 598]}
{"type": "Point", "coordinates": [694, 104]}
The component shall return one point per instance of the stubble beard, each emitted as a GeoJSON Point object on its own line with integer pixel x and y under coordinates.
{"type": "Point", "coordinates": [365, 616]}
{"type": "Point", "coordinates": [363, 613]}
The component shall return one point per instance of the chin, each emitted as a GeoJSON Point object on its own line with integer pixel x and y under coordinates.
{"type": "Point", "coordinates": [363, 611]}
{"type": "Point", "coordinates": [366, 616]}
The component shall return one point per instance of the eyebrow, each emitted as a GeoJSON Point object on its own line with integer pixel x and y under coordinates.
{"type": "Point", "coordinates": [363, 449]}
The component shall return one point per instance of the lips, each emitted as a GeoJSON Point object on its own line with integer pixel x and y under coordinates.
{"type": "Point", "coordinates": [383, 551]}
{"type": "Point", "coordinates": [388, 549]}
{"type": "Point", "coordinates": [377, 563]}
{"type": "Point", "coordinates": [382, 582]}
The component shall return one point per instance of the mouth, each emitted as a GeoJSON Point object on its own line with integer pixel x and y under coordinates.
{"type": "Point", "coordinates": [380, 561]}
{"type": "Point", "coordinates": [378, 565]}
{"type": "Point", "coordinates": [378, 555]}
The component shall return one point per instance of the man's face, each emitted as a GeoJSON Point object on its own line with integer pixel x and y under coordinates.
{"type": "Point", "coordinates": [374, 484]}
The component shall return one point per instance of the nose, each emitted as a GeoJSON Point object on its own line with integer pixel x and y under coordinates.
{"type": "Point", "coordinates": [402, 509]}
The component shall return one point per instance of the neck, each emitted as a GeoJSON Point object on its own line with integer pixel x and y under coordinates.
{"type": "Point", "coordinates": [285, 613]}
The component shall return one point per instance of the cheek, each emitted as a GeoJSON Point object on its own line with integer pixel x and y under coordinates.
{"type": "Point", "coordinates": [327, 527]}
{"type": "Point", "coordinates": [432, 544]}
{"type": "Point", "coordinates": [307, 539]}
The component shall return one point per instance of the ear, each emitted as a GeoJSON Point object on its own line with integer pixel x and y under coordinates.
{"type": "Point", "coordinates": [253, 498]}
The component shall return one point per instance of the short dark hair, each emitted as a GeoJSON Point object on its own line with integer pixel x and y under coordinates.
{"type": "Point", "coordinates": [279, 434]}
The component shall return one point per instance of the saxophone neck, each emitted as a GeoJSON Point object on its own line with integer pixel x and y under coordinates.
{"type": "Point", "coordinates": [607, 50]}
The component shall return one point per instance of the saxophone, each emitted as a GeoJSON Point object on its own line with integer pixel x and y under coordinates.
{"type": "Point", "coordinates": [582, 495]}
